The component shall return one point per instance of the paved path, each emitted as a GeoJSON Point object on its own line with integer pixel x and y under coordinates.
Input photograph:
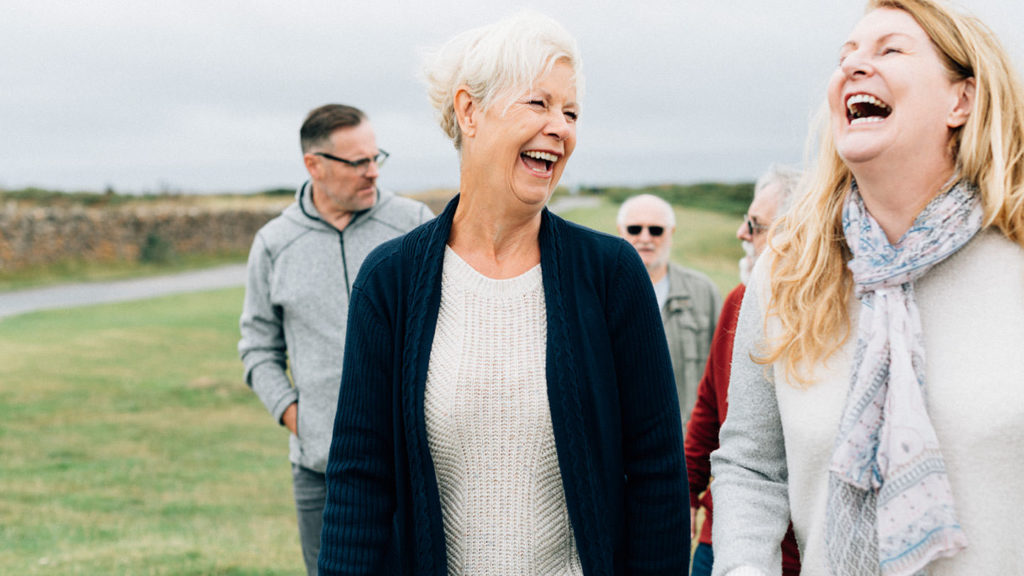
{"type": "Point", "coordinates": [83, 294]}
{"type": "Point", "coordinates": [573, 202]}
{"type": "Point", "coordinates": [71, 295]}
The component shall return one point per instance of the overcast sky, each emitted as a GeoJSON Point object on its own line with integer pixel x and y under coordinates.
{"type": "Point", "coordinates": [208, 96]}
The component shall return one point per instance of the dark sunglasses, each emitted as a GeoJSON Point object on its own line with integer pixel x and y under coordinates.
{"type": "Point", "coordinates": [636, 229]}
{"type": "Point", "coordinates": [753, 227]}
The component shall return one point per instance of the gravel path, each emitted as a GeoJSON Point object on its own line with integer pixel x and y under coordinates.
{"type": "Point", "coordinates": [71, 295]}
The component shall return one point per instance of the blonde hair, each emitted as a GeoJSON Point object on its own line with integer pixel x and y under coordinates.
{"type": "Point", "coordinates": [495, 61]}
{"type": "Point", "coordinates": [810, 284]}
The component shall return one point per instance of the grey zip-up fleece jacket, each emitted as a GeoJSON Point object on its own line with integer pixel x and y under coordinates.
{"type": "Point", "coordinates": [300, 272]}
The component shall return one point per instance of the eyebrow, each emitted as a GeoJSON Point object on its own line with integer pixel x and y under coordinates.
{"type": "Point", "coordinates": [881, 40]}
{"type": "Point", "coordinates": [547, 96]}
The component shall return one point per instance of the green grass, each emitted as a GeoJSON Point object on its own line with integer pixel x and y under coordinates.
{"type": "Point", "coordinates": [130, 445]}
{"type": "Point", "coordinates": [704, 240]}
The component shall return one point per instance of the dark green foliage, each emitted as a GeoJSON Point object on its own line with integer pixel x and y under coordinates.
{"type": "Point", "coordinates": [155, 250]}
{"type": "Point", "coordinates": [57, 198]}
{"type": "Point", "coordinates": [278, 192]}
{"type": "Point", "coordinates": [716, 196]}
{"type": "Point", "coordinates": [109, 197]}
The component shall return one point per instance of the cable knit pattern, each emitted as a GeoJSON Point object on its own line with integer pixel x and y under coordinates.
{"type": "Point", "coordinates": [489, 427]}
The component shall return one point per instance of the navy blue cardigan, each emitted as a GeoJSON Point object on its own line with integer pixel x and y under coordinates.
{"type": "Point", "coordinates": [610, 388]}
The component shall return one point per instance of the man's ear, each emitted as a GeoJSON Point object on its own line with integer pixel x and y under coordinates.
{"type": "Point", "coordinates": [965, 103]}
{"type": "Point", "coordinates": [466, 110]}
{"type": "Point", "coordinates": [313, 165]}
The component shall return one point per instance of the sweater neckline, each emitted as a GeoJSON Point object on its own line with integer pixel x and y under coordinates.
{"type": "Point", "coordinates": [458, 273]}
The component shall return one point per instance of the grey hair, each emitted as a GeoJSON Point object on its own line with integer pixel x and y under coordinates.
{"type": "Point", "coordinates": [788, 179]}
{"type": "Point", "coordinates": [497, 60]}
{"type": "Point", "coordinates": [624, 209]}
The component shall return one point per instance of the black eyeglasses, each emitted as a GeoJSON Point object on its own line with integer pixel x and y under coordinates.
{"type": "Point", "coordinates": [753, 227]}
{"type": "Point", "coordinates": [636, 229]}
{"type": "Point", "coordinates": [363, 164]}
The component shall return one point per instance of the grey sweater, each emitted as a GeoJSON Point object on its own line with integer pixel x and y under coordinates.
{"type": "Point", "coordinates": [300, 272]}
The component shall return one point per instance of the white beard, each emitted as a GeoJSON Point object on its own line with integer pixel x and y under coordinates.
{"type": "Point", "coordinates": [747, 262]}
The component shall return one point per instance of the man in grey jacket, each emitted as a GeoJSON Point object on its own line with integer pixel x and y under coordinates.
{"type": "Point", "coordinates": [689, 301]}
{"type": "Point", "coordinates": [301, 268]}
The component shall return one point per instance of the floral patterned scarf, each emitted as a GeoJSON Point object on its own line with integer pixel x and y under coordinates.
{"type": "Point", "coordinates": [890, 509]}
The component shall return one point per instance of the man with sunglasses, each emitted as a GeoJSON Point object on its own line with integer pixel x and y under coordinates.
{"type": "Point", "coordinates": [689, 300]}
{"type": "Point", "coordinates": [301, 269]}
{"type": "Point", "coordinates": [773, 194]}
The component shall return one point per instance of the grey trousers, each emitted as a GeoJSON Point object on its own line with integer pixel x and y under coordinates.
{"type": "Point", "coordinates": [310, 489]}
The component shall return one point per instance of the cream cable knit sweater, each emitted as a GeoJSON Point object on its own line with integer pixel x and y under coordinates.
{"type": "Point", "coordinates": [489, 427]}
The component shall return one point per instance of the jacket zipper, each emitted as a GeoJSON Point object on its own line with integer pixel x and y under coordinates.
{"type": "Point", "coordinates": [344, 264]}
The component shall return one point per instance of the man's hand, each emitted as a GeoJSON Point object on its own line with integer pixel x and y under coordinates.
{"type": "Point", "coordinates": [290, 420]}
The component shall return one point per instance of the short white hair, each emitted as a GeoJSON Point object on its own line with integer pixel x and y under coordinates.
{"type": "Point", "coordinates": [670, 214]}
{"type": "Point", "coordinates": [497, 60]}
{"type": "Point", "coordinates": [788, 180]}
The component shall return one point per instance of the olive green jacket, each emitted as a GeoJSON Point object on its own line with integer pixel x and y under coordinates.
{"type": "Point", "coordinates": [689, 314]}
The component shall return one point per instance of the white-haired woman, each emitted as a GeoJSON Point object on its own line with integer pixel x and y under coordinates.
{"type": "Point", "coordinates": [877, 389]}
{"type": "Point", "coordinates": [507, 403]}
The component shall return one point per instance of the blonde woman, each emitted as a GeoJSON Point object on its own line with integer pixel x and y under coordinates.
{"type": "Point", "coordinates": [507, 403]}
{"type": "Point", "coordinates": [877, 389]}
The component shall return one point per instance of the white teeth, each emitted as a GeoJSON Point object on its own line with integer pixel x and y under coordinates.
{"type": "Point", "coordinates": [865, 98]}
{"type": "Point", "coordinates": [541, 155]}
{"type": "Point", "coordinates": [866, 120]}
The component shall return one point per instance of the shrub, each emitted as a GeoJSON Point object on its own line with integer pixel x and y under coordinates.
{"type": "Point", "coordinates": [155, 250]}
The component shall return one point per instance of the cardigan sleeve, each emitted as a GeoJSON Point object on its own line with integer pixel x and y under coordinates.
{"type": "Point", "coordinates": [750, 485]}
{"type": "Point", "coordinates": [657, 517]}
{"type": "Point", "coordinates": [357, 522]}
{"type": "Point", "coordinates": [706, 419]}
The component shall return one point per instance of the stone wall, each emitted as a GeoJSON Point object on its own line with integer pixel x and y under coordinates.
{"type": "Point", "coordinates": [34, 235]}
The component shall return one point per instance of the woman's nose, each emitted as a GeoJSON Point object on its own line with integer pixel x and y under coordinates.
{"type": "Point", "coordinates": [559, 126]}
{"type": "Point", "coordinates": [856, 63]}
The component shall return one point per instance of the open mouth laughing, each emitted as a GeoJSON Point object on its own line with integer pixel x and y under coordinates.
{"type": "Point", "coordinates": [864, 108]}
{"type": "Point", "coordinates": [538, 161]}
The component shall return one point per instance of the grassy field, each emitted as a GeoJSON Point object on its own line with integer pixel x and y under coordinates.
{"type": "Point", "coordinates": [130, 444]}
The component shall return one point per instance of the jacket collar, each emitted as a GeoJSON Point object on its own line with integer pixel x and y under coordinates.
{"type": "Point", "coordinates": [311, 216]}
{"type": "Point", "coordinates": [679, 298]}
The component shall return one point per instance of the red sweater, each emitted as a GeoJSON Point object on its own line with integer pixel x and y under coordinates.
{"type": "Point", "coordinates": [707, 417]}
